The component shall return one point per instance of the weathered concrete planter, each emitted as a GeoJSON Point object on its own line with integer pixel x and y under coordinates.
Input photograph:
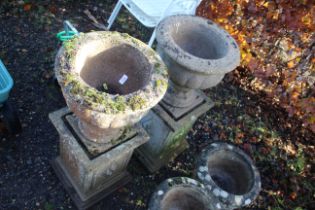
{"type": "Point", "coordinates": [109, 80]}
{"type": "Point", "coordinates": [227, 178]}
{"type": "Point", "coordinates": [180, 193]}
{"type": "Point", "coordinates": [229, 175]}
{"type": "Point", "coordinates": [197, 53]}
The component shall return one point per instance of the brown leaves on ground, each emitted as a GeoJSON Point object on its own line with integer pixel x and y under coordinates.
{"type": "Point", "coordinates": [282, 149]}
{"type": "Point", "coordinates": [277, 43]}
{"type": "Point", "coordinates": [27, 7]}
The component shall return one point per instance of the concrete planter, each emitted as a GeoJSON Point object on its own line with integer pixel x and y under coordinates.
{"type": "Point", "coordinates": [180, 193]}
{"type": "Point", "coordinates": [110, 81]}
{"type": "Point", "coordinates": [197, 53]}
{"type": "Point", "coordinates": [229, 175]}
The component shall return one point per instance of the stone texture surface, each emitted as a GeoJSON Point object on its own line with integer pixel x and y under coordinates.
{"type": "Point", "coordinates": [197, 53]}
{"type": "Point", "coordinates": [167, 135]}
{"type": "Point", "coordinates": [228, 175]}
{"type": "Point", "coordinates": [178, 112]}
{"type": "Point", "coordinates": [181, 193]}
{"type": "Point", "coordinates": [198, 45]}
{"type": "Point", "coordinates": [97, 148]}
{"type": "Point", "coordinates": [90, 69]}
{"type": "Point", "coordinates": [181, 97]}
{"type": "Point", "coordinates": [185, 77]}
{"type": "Point", "coordinates": [89, 174]}
{"type": "Point", "coordinates": [81, 200]}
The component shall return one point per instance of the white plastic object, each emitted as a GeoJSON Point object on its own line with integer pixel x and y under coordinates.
{"type": "Point", "coordinates": [123, 79]}
{"type": "Point", "coordinates": [151, 12]}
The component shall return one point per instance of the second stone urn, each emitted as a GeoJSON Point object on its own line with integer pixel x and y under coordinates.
{"type": "Point", "coordinates": [197, 53]}
{"type": "Point", "coordinates": [109, 81]}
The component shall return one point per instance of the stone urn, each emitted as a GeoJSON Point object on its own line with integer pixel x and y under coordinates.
{"type": "Point", "coordinates": [180, 193]}
{"type": "Point", "coordinates": [229, 175]}
{"type": "Point", "coordinates": [197, 53]}
{"type": "Point", "coordinates": [109, 81]}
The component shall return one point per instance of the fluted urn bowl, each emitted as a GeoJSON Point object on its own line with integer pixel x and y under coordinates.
{"type": "Point", "coordinates": [196, 51]}
{"type": "Point", "coordinates": [109, 81]}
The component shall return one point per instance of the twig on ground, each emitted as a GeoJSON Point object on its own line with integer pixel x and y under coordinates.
{"type": "Point", "coordinates": [95, 22]}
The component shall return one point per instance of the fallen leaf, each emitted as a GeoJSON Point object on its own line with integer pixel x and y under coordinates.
{"type": "Point", "coordinates": [27, 7]}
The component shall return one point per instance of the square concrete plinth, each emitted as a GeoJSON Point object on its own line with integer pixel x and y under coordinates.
{"type": "Point", "coordinates": [89, 177]}
{"type": "Point", "coordinates": [167, 127]}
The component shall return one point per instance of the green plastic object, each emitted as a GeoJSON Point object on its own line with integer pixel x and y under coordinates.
{"type": "Point", "coordinates": [64, 36]}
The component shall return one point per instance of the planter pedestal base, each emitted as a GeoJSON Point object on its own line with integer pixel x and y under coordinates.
{"type": "Point", "coordinates": [87, 174]}
{"type": "Point", "coordinates": [167, 127]}
{"type": "Point", "coordinates": [82, 200]}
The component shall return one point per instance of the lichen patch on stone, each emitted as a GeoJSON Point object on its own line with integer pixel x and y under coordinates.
{"type": "Point", "coordinates": [101, 101]}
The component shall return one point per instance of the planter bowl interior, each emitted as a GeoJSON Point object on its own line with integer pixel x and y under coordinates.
{"type": "Point", "coordinates": [199, 41]}
{"type": "Point", "coordinates": [231, 172]}
{"type": "Point", "coordinates": [109, 80]}
{"type": "Point", "coordinates": [197, 52]}
{"type": "Point", "coordinates": [194, 45]}
{"type": "Point", "coordinates": [184, 198]}
{"type": "Point", "coordinates": [110, 65]}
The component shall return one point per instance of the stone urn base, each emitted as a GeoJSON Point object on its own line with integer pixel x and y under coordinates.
{"type": "Point", "coordinates": [167, 127]}
{"type": "Point", "coordinates": [181, 97]}
{"type": "Point", "coordinates": [90, 171]}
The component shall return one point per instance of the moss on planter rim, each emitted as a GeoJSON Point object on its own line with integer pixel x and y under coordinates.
{"type": "Point", "coordinates": [160, 83]}
{"type": "Point", "coordinates": [102, 101]}
{"type": "Point", "coordinates": [136, 102]}
{"type": "Point", "coordinates": [94, 97]}
{"type": "Point", "coordinates": [70, 46]}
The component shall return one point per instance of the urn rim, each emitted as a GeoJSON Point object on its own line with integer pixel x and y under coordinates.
{"type": "Point", "coordinates": [222, 64]}
{"type": "Point", "coordinates": [167, 186]}
{"type": "Point", "coordinates": [229, 198]}
{"type": "Point", "coordinates": [70, 80]}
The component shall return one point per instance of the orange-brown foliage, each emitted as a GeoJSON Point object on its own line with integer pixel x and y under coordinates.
{"type": "Point", "coordinates": [277, 43]}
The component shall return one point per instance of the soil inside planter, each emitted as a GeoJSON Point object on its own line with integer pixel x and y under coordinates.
{"type": "Point", "coordinates": [122, 69]}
